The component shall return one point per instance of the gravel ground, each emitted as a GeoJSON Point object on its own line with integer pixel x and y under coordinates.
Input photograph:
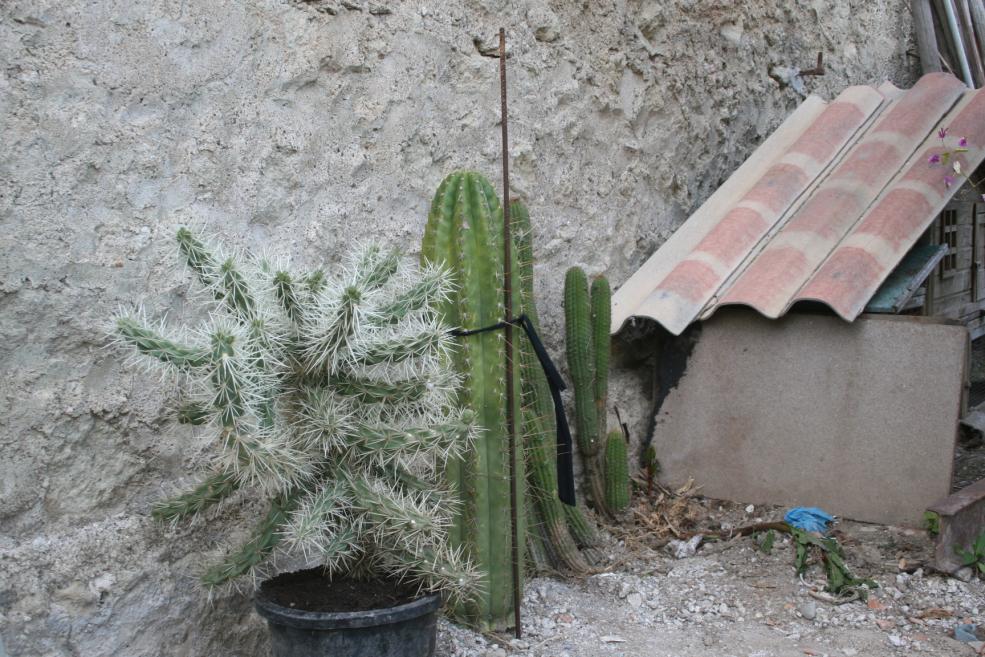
{"type": "Point", "coordinates": [731, 599]}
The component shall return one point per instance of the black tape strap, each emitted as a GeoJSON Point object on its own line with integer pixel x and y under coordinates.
{"type": "Point", "coordinates": [565, 465]}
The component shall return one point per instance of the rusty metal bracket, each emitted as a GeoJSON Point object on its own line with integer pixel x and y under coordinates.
{"type": "Point", "coordinates": [817, 70]}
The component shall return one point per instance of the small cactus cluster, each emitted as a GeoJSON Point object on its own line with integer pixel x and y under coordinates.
{"type": "Point", "coordinates": [334, 398]}
{"type": "Point", "coordinates": [587, 319]}
{"type": "Point", "coordinates": [616, 466]}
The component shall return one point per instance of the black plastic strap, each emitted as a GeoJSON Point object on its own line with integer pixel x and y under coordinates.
{"type": "Point", "coordinates": [565, 464]}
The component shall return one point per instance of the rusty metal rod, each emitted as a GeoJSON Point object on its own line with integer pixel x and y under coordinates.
{"type": "Point", "coordinates": [508, 306]}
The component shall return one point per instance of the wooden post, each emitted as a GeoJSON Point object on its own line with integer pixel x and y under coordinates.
{"type": "Point", "coordinates": [923, 25]}
{"type": "Point", "coordinates": [970, 44]}
{"type": "Point", "coordinates": [978, 23]}
{"type": "Point", "coordinates": [954, 32]}
{"type": "Point", "coordinates": [945, 44]}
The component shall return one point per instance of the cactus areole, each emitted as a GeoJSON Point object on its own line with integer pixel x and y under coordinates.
{"type": "Point", "coordinates": [333, 397]}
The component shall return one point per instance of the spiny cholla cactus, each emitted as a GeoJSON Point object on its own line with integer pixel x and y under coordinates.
{"type": "Point", "coordinates": [331, 396]}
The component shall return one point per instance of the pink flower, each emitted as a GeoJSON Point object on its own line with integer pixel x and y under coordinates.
{"type": "Point", "coordinates": [948, 181]}
{"type": "Point", "coordinates": [942, 133]}
{"type": "Point", "coordinates": [934, 159]}
{"type": "Point", "coordinates": [963, 142]}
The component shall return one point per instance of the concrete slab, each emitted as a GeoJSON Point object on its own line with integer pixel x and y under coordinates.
{"type": "Point", "coordinates": [962, 520]}
{"type": "Point", "coordinates": [859, 419]}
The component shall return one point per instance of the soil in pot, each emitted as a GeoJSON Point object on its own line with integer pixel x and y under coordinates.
{"type": "Point", "coordinates": [312, 590]}
{"type": "Point", "coordinates": [310, 615]}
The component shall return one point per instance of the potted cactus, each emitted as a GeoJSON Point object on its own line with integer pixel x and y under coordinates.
{"type": "Point", "coordinates": [333, 398]}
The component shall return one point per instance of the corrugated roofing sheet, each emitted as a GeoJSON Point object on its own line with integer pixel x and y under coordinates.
{"type": "Point", "coordinates": [823, 210]}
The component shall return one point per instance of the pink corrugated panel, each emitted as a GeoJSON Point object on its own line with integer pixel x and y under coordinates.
{"type": "Point", "coordinates": [773, 279]}
{"type": "Point", "coordinates": [890, 229]}
{"type": "Point", "coordinates": [689, 286]}
{"type": "Point", "coordinates": [823, 210]}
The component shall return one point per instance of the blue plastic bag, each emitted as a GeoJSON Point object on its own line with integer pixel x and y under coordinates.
{"type": "Point", "coordinates": [808, 518]}
{"type": "Point", "coordinates": [966, 633]}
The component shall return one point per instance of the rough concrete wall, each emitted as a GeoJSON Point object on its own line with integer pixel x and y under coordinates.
{"type": "Point", "coordinates": [305, 127]}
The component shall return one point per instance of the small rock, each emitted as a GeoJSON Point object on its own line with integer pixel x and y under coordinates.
{"type": "Point", "coordinates": [849, 652]}
{"type": "Point", "coordinates": [896, 640]}
{"type": "Point", "coordinates": [732, 33]}
{"type": "Point", "coordinates": [964, 574]}
{"type": "Point", "coordinates": [635, 600]}
{"type": "Point", "coordinates": [684, 549]}
{"type": "Point", "coordinates": [612, 638]}
{"type": "Point", "coordinates": [808, 609]}
{"type": "Point", "coordinates": [495, 652]}
{"type": "Point", "coordinates": [751, 508]}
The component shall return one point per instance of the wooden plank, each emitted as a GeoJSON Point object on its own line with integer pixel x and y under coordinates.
{"type": "Point", "coordinates": [955, 285]}
{"type": "Point", "coordinates": [917, 301]}
{"type": "Point", "coordinates": [978, 21]}
{"type": "Point", "coordinates": [957, 39]}
{"type": "Point", "coordinates": [923, 25]}
{"type": "Point", "coordinates": [895, 293]}
{"type": "Point", "coordinates": [970, 308]}
{"type": "Point", "coordinates": [945, 40]}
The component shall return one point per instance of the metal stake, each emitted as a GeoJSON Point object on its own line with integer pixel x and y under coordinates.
{"type": "Point", "coordinates": [508, 305]}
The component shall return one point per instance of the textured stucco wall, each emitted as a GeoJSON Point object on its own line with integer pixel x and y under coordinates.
{"type": "Point", "coordinates": [307, 126]}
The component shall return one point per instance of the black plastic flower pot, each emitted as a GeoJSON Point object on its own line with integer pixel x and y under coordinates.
{"type": "Point", "coordinates": [404, 630]}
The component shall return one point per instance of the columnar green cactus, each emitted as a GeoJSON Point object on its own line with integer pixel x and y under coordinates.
{"type": "Point", "coordinates": [539, 426]}
{"type": "Point", "coordinates": [334, 399]}
{"type": "Point", "coordinates": [465, 233]}
{"type": "Point", "coordinates": [616, 473]}
{"type": "Point", "coordinates": [601, 313]}
{"type": "Point", "coordinates": [580, 344]}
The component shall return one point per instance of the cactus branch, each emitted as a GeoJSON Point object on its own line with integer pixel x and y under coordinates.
{"type": "Point", "coordinates": [156, 346]}
{"type": "Point", "coordinates": [199, 259]}
{"type": "Point", "coordinates": [580, 344]}
{"type": "Point", "coordinates": [209, 493]}
{"type": "Point", "coordinates": [287, 295]}
{"type": "Point", "coordinates": [616, 473]}
{"type": "Point", "coordinates": [265, 538]}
